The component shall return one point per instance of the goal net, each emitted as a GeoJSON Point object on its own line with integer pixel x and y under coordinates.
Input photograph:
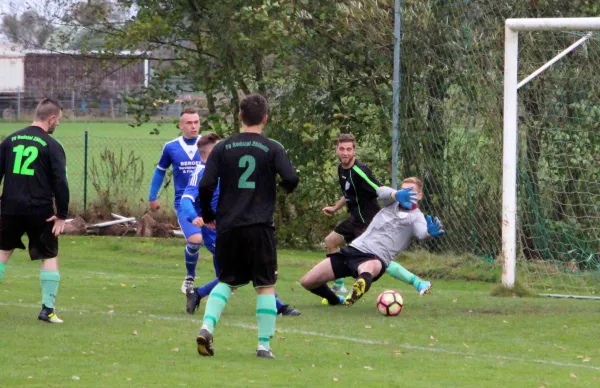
{"type": "Point", "coordinates": [551, 162]}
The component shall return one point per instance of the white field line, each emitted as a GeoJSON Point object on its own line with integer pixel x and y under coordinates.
{"type": "Point", "coordinates": [337, 337]}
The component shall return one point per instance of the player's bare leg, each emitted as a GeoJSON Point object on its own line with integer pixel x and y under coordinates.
{"type": "Point", "coordinates": [367, 271]}
{"type": "Point", "coordinates": [49, 280]}
{"type": "Point", "coordinates": [333, 241]}
{"type": "Point", "coordinates": [316, 280]}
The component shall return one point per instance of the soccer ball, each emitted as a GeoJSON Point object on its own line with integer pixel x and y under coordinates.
{"type": "Point", "coordinates": [390, 303]}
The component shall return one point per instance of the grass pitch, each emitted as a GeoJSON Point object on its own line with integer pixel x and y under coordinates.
{"type": "Point", "coordinates": [125, 325]}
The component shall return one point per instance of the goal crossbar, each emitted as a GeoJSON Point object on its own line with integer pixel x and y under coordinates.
{"type": "Point", "coordinates": [510, 126]}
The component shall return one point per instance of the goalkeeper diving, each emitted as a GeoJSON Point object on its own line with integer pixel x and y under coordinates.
{"type": "Point", "coordinates": [371, 254]}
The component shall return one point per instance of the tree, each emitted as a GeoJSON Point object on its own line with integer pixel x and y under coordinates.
{"type": "Point", "coordinates": [29, 30]}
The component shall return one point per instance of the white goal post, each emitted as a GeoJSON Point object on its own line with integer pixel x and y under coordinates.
{"type": "Point", "coordinates": [510, 130]}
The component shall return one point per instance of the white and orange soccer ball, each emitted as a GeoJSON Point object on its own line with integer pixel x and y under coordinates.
{"type": "Point", "coordinates": [390, 303]}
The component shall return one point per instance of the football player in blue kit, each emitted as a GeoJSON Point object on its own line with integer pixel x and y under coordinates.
{"type": "Point", "coordinates": [190, 213]}
{"type": "Point", "coordinates": [181, 153]}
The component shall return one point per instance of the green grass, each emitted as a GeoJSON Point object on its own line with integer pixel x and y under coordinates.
{"type": "Point", "coordinates": [111, 288]}
{"type": "Point", "coordinates": [115, 137]}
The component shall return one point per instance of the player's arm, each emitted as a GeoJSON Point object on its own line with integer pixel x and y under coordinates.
{"type": "Point", "coordinates": [60, 185]}
{"type": "Point", "coordinates": [208, 184]}
{"type": "Point", "coordinates": [428, 227]}
{"type": "Point", "coordinates": [330, 210]}
{"type": "Point", "coordinates": [404, 197]}
{"type": "Point", "coordinates": [191, 194]}
{"type": "Point", "coordinates": [285, 169]}
{"type": "Point", "coordinates": [157, 179]}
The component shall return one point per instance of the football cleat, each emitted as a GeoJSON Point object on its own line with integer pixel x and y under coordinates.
{"type": "Point", "coordinates": [423, 287]}
{"type": "Point", "coordinates": [358, 290]}
{"type": "Point", "coordinates": [261, 352]}
{"type": "Point", "coordinates": [193, 300]}
{"type": "Point", "coordinates": [205, 343]}
{"type": "Point", "coordinates": [187, 283]}
{"type": "Point", "coordinates": [286, 310]}
{"type": "Point", "coordinates": [47, 315]}
{"type": "Point", "coordinates": [340, 297]}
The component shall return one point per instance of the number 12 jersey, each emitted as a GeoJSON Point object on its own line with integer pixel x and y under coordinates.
{"type": "Point", "coordinates": [33, 166]}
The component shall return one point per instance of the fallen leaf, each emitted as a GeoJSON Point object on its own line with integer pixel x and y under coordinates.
{"type": "Point", "coordinates": [573, 376]}
{"type": "Point", "coordinates": [287, 356]}
{"type": "Point", "coordinates": [347, 353]}
{"type": "Point", "coordinates": [368, 367]}
{"type": "Point", "coordinates": [281, 338]}
{"type": "Point", "coordinates": [175, 349]}
{"type": "Point", "coordinates": [123, 285]}
{"type": "Point", "coordinates": [386, 342]}
{"type": "Point", "coordinates": [586, 359]}
{"type": "Point", "coordinates": [454, 300]}
{"type": "Point", "coordinates": [134, 332]}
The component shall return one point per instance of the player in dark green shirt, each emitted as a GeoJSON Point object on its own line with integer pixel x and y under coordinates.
{"type": "Point", "coordinates": [245, 166]}
{"type": "Point", "coordinates": [359, 194]}
{"type": "Point", "coordinates": [33, 166]}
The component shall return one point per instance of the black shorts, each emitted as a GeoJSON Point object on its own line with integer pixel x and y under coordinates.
{"type": "Point", "coordinates": [43, 244]}
{"type": "Point", "coordinates": [349, 229]}
{"type": "Point", "coordinates": [345, 262]}
{"type": "Point", "coordinates": [247, 254]}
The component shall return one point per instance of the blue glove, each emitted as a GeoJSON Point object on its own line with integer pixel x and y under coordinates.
{"type": "Point", "coordinates": [406, 198]}
{"type": "Point", "coordinates": [434, 226]}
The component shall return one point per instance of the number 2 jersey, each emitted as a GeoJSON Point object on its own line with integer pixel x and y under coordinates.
{"type": "Point", "coordinates": [245, 166]}
{"type": "Point", "coordinates": [33, 166]}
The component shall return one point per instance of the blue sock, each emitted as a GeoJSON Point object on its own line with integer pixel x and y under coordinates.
{"type": "Point", "coordinates": [191, 258]}
{"type": "Point", "coordinates": [207, 288]}
{"type": "Point", "coordinates": [279, 304]}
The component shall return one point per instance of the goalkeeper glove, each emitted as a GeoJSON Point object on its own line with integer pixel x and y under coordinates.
{"type": "Point", "coordinates": [434, 226]}
{"type": "Point", "coordinates": [406, 198]}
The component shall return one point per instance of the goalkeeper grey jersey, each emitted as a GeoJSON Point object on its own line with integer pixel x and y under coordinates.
{"type": "Point", "coordinates": [391, 230]}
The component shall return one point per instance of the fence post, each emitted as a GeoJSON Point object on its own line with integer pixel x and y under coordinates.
{"type": "Point", "coordinates": [85, 169]}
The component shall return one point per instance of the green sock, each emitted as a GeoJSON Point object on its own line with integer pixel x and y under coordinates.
{"type": "Point", "coordinates": [339, 282]}
{"type": "Point", "coordinates": [401, 273]}
{"type": "Point", "coordinates": [2, 269]}
{"type": "Point", "coordinates": [214, 306]}
{"type": "Point", "coordinates": [266, 314]}
{"type": "Point", "coordinates": [49, 281]}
